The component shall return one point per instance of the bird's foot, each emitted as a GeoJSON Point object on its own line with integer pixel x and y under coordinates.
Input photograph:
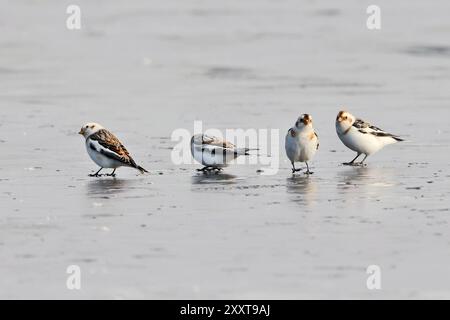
{"type": "Point", "coordinates": [209, 169]}
{"type": "Point", "coordinates": [355, 164]}
{"type": "Point", "coordinates": [111, 175]}
{"type": "Point", "coordinates": [296, 170]}
{"type": "Point", "coordinates": [309, 172]}
{"type": "Point", "coordinates": [96, 175]}
{"type": "Point", "coordinates": [361, 164]}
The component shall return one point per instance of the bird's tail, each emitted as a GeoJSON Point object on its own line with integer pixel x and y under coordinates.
{"type": "Point", "coordinates": [245, 151]}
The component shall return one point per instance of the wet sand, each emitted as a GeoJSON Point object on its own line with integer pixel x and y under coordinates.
{"type": "Point", "coordinates": [145, 69]}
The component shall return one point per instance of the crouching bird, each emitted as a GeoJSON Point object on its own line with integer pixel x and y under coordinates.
{"type": "Point", "coordinates": [106, 150]}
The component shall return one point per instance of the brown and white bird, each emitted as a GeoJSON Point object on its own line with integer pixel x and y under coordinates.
{"type": "Point", "coordinates": [361, 137]}
{"type": "Point", "coordinates": [302, 142]}
{"type": "Point", "coordinates": [106, 150]}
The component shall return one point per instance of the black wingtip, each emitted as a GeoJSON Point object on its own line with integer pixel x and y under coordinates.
{"type": "Point", "coordinates": [398, 139]}
{"type": "Point", "coordinates": [247, 150]}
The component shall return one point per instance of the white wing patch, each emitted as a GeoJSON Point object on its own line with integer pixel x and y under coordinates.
{"type": "Point", "coordinates": [96, 146]}
{"type": "Point", "coordinates": [211, 151]}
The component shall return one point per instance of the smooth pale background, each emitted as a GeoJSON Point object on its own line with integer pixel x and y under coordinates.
{"type": "Point", "coordinates": [146, 68]}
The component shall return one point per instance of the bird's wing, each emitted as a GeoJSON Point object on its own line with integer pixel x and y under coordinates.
{"type": "Point", "coordinates": [291, 132]}
{"type": "Point", "coordinates": [367, 128]}
{"type": "Point", "coordinates": [111, 147]}
{"type": "Point", "coordinates": [217, 142]}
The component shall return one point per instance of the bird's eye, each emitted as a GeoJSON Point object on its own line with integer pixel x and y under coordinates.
{"type": "Point", "coordinates": [345, 118]}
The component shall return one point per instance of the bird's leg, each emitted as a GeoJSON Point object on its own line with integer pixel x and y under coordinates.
{"type": "Point", "coordinates": [96, 174]}
{"type": "Point", "coordinates": [293, 168]}
{"type": "Point", "coordinates": [351, 163]}
{"type": "Point", "coordinates": [362, 162]}
{"type": "Point", "coordinates": [308, 172]}
{"type": "Point", "coordinates": [112, 174]}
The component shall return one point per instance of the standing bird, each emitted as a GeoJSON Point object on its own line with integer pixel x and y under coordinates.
{"type": "Point", "coordinates": [361, 136]}
{"type": "Point", "coordinates": [302, 142]}
{"type": "Point", "coordinates": [214, 153]}
{"type": "Point", "coordinates": [106, 150]}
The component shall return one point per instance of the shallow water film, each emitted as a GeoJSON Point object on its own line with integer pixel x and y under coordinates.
{"type": "Point", "coordinates": [144, 69]}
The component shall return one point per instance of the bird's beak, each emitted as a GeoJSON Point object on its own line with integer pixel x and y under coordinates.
{"type": "Point", "coordinates": [340, 117]}
{"type": "Point", "coordinates": [81, 132]}
{"type": "Point", "coordinates": [306, 121]}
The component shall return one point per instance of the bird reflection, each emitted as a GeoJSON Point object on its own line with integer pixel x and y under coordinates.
{"type": "Point", "coordinates": [107, 187]}
{"type": "Point", "coordinates": [363, 182]}
{"type": "Point", "coordinates": [303, 189]}
{"type": "Point", "coordinates": [212, 178]}
{"type": "Point", "coordinates": [354, 176]}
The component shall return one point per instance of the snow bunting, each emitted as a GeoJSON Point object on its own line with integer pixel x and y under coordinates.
{"type": "Point", "coordinates": [106, 150]}
{"type": "Point", "coordinates": [361, 136]}
{"type": "Point", "coordinates": [301, 142]}
{"type": "Point", "coordinates": [214, 153]}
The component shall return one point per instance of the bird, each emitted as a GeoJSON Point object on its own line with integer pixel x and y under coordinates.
{"type": "Point", "coordinates": [362, 137]}
{"type": "Point", "coordinates": [106, 150]}
{"type": "Point", "coordinates": [302, 142]}
{"type": "Point", "coordinates": [214, 153]}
